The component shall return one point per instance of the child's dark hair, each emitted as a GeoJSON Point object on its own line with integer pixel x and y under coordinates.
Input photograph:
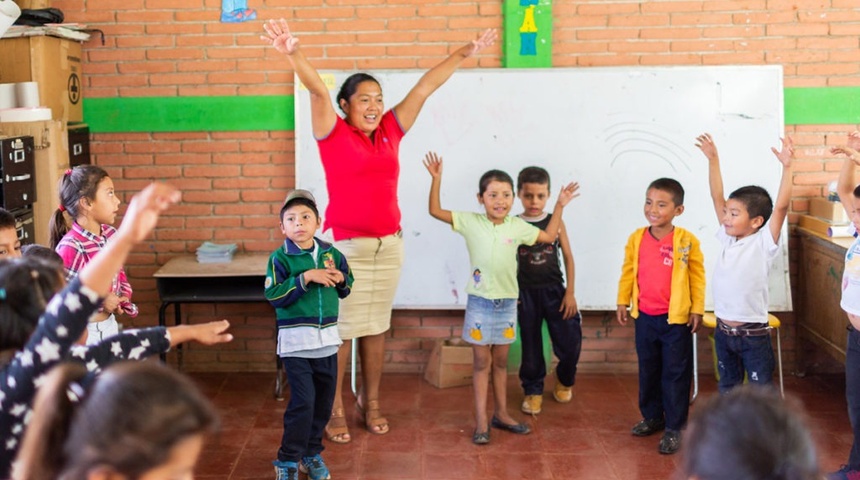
{"type": "Point", "coordinates": [42, 252]}
{"type": "Point", "coordinates": [350, 85]}
{"type": "Point", "coordinates": [757, 201]}
{"type": "Point", "coordinates": [857, 191]}
{"type": "Point", "coordinates": [26, 286]}
{"type": "Point", "coordinates": [299, 201]}
{"type": "Point", "coordinates": [670, 186]}
{"type": "Point", "coordinates": [494, 176]}
{"type": "Point", "coordinates": [7, 220]}
{"type": "Point", "coordinates": [128, 420]}
{"type": "Point", "coordinates": [77, 183]}
{"type": "Point", "coordinates": [532, 175]}
{"type": "Point", "coordinates": [749, 433]}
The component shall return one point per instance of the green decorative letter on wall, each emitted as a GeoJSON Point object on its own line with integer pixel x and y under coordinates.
{"type": "Point", "coordinates": [528, 34]}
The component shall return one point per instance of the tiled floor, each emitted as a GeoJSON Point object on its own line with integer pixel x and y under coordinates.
{"type": "Point", "coordinates": [431, 432]}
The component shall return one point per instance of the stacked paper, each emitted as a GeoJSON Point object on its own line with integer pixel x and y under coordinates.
{"type": "Point", "coordinates": [210, 252]}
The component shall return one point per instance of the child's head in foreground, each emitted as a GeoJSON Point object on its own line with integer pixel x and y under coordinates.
{"type": "Point", "coordinates": [750, 433]}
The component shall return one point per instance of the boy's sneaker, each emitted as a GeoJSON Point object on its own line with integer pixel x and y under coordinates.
{"type": "Point", "coordinates": [670, 443]}
{"type": "Point", "coordinates": [844, 473]}
{"type": "Point", "coordinates": [315, 468]}
{"type": "Point", "coordinates": [648, 427]}
{"type": "Point", "coordinates": [531, 404]}
{"type": "Point", "coordinates": [562, 394]}
{"type": "Point", "coordinates": [286, 470]}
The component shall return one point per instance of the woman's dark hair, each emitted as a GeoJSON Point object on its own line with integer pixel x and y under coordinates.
{"type": "Point", "coordinates": [749, 433]}
{"type": "Point", "coordinates": [77, 183]}
{"type": "Point", "coordinates": [350, 85]}
{"type": "Point", "coordinates": [26, 286]}
{"type": "Point", "coordinates": [494, 176]}
{"type": "Point", "coordinates": [128, 420]}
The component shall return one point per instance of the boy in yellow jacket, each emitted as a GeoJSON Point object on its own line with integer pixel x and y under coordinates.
{"type": "Point", "coordinates": [663, 283]}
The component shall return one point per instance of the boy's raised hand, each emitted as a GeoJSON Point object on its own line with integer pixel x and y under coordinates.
{"type": "Point", "coordinates": [786, 154]}
{"type": "Point", "coordinates": [568, 193]}
{"type": "Point", "coordinates": [433, 163]}
{"type": "Point", "coordinates": [705, 143]}
{"type": "Point", "coordinates": [278, 35]}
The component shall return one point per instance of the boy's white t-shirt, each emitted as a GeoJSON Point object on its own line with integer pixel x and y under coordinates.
{"type": "Point", "coordinates": [851, 277]}
{"type": "Point", "coordinates": [740, 280]}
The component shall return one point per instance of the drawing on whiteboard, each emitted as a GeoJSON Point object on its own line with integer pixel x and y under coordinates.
{"type": "Point", "coordinates": [639, 139]}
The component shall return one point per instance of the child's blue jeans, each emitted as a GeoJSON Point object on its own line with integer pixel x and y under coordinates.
{"type": "Point", "coordinates": [852, 393]}
{"type": "Point", "coordinates": [312, 385]}
{"type": "Point", "coordinates": [536, 305]}
{"type": "Point", "coordinates": [739, 354]}
{"type": "Point", "coordinates": [665, 354]}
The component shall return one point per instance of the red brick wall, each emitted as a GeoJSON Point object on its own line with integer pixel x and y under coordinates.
{"type": "Point", "coordinates": [233, 181]}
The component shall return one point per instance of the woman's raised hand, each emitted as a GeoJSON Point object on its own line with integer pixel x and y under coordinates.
{"type": "Point", "coordinates": [483, 41]}
{"type": "Point", "coordinates": [278, 35]}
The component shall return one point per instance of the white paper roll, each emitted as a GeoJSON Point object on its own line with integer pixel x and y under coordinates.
{"type": "Point", "coordinates": [27, 94]}
{"type": "Point", "coordinates": [25, 114]}
{"type": "Point", "coordinates": [9, 12]}
{"type": "Point", "coordinates": [840, 231]}
{"type": "Point", "coordinates": [8, 99]}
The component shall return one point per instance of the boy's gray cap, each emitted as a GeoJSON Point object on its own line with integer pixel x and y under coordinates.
{"type": "Point", "coordinates": [299, 193]}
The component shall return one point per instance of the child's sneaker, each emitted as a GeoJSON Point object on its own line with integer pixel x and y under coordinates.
{"type": "Point", "coordinates": [531, 404]}
{"type": "Point", "coordinates": [844, 473]}
{"type": "Point", "coordinates": [315, 468]}
{"type": "Point", "coordinates": [286, 470]}
{"type": "Point", "coordinates": [562, 394]}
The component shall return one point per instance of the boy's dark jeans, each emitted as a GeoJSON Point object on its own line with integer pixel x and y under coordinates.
{"type": "Point", "coordinates": [312, 384]}
{"type": "Point", "coordinates": [535, 305]}
{"type": "Point", "coordinates": [737, 354]}
{"type": "Point", "coordinates": [665, 354]}
{"type": "Point", "coordinates": [852, 393]}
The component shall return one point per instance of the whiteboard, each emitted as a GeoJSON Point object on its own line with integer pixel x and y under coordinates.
{"type": "Point", "coordinates": [613, 130]}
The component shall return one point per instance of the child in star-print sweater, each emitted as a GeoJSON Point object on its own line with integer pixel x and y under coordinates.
{"type": "Point", "coordinates": [64, 318]}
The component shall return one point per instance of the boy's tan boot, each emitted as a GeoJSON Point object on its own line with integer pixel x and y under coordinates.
{"type": "Point", "coordinates": [532, 404]}
{"type": "Point", "coordinates": [562, 394]}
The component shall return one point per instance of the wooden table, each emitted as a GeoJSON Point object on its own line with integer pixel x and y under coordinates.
{"type": "Point", "coordinates": [184, 280]}
{"type": "Point", "coordinates": [820, 319]}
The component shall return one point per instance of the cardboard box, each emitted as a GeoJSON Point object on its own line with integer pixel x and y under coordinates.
{"type": "Point", "coordinates": [33, 4]}
{"type": "Point", "coordinates": [450, 364]}
{"type": "Point", "coordinates": [51, 141]}
{"type": "Point", "coordinates": [55, 63]}
{"type": "Point", "coordinates": [832, 211]}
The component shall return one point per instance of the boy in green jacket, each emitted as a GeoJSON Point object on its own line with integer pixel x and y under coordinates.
{"type": "Point", "coordinates": [305, 279]}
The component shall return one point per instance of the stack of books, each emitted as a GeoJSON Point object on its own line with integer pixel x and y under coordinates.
{"type": "Point", "coordinates": [826, 218]}
{"type": "Point", "coordinates": [210, 252]}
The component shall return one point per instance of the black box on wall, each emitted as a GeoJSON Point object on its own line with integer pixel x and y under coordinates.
{"type": "Point", "coordinates": [79, 144]}
{"type": "Point", "coordinates": [25, 226]}
{"type": "Point", "coordinates": [17, 172]}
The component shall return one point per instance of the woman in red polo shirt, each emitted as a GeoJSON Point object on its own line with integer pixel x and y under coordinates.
{"type": "Point", "coordinates": [359, 153]}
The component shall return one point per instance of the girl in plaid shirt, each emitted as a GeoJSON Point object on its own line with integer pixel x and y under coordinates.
{"type": "Point", "coordinates": [87, 196]}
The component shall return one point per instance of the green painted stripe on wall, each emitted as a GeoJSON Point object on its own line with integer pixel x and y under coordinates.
{"type": "Point", "coordinates": [803, 106]}
{"type": "Point", "coordinates": [190, 114]}
{"type": "Point", "coordinates": [822, 105]}
{"type": "Point", "coordinates": [527, 39]}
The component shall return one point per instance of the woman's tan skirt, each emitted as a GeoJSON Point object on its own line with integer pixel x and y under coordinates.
{"type": "Point", "coordinates": [375, 264]}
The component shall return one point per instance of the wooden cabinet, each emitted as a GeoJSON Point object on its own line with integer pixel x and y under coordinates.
{"type": "Point", "coordinates": [820, 318]}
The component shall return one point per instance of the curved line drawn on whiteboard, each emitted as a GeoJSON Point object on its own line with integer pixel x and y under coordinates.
{"type": "Point", "coordinates": [621, 135]}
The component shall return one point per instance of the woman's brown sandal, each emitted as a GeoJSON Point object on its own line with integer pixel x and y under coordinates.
{"type": "Point", "coordinates": [373, 421]}
{"type": "Point", "coordinates": [336, 430]}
